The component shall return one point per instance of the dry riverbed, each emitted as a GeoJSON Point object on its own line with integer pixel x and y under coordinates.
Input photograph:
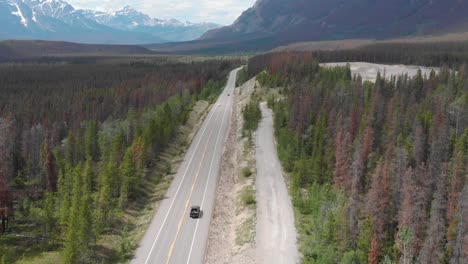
{"type": "Point", "coordinates": [368, 71]}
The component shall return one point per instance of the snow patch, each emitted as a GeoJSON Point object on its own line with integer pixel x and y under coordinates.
{"type": "Point", "coordinates": [18, 13]}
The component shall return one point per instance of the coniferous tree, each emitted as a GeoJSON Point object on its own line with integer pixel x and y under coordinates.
{"type": "Point", "coordinates": [91, 140]}
{"type": "Point", "coordinates": [72, 243]}
{"type": "Point", "coordinates": [127, 172]}
{"type": "Point", "coordinates": [85, 218]}
{"type": "Point", "coordinates": [107, 185]}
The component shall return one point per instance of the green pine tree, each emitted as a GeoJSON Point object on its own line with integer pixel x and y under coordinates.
{"type": "Point", "coordinates": [91, 140]}
{"type": "Point", "coordinates": [127, 172]}
{"type": "Point", "coordinates": [85, 223]}
{"type": "Point", "coordinates": [72, 244]}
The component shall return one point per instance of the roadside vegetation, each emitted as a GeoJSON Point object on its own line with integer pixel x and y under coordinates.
{"type": "Point", "coordinates": [246, 193]}
{"type": "Point", "coordinates": [377, 169]}
{"type": "Point", "coordinates": [248, 196]}
{"type": "Point", "coordinates": [242, 77]}
{"type": "Point", "coordinates": [252, 116]}
{"type": "Point", "coordinates": [81, 148]}
{"type": "Point", "coordinates": [246, 172]}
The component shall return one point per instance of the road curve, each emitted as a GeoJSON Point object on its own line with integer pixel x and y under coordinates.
{"type": "Point", "coordinates": [276, 233]}
{"type": "Point", "coordinates": [173, 237]}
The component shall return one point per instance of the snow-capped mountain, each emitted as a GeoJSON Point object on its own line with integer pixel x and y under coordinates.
{"type": "Point", "coordinates": [128, 18]}
{"type": "Point", "coordinates": [272, 23]}
{"type": "Point", "coordinates": [58, 20]}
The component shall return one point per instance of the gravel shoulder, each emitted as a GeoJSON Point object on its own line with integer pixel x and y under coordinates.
{"type": "Point", "coordinates": [231, 237]}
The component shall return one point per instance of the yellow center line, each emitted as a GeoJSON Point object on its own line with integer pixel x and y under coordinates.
{"type": "Point", "coordinates": [188, 200]}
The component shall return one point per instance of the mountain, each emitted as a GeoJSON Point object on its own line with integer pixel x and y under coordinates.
{"type": "Point", "coordinates": [129, 19]}
{"type": "Point", "coordinates": [300, 20]}
{"type": "Point", "coordinates": [58, 20]}
{"type": "Point", "coordinates": [272, 23]}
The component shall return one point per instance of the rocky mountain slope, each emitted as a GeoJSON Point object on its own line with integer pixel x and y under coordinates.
{"type": "Point", "coordinates": [272, 23]}
{"type": "Point", "coordinates": [299, 20]}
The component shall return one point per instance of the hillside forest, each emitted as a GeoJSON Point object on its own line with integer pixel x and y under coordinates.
{"type": "Point", "coordinates": [378, 170]}
{"type": "Point", "coordinates": [78, 137]}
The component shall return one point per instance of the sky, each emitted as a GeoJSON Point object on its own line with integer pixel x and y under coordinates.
{"type": "Point", "coordinates": [223, 12]}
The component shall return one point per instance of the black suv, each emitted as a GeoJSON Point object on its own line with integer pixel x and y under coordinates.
{"type": "Point", "coordinates": [195, 212]}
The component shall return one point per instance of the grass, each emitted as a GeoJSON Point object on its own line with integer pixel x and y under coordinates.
{"type": "Point", "coordinates": [248, 197]}
{"type": "Point", "coordinates": [246, 231]}
{"type": "Point", "coordinates": [44, 258]}
{"type": "Point", "coordinates": [23, 241]}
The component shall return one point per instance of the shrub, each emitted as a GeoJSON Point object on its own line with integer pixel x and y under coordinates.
{"type": "Point", "coordinates": [246, 172]}
{"type": "Point", "coordinates": [248, 196]}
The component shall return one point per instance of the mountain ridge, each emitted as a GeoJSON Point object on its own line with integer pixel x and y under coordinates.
{"type": "Point", "coordinates": [57, 20]}
{"type": "Point", "coordinates": [11, 50]}
{"type": "Point", "coordinates": [272, 23]}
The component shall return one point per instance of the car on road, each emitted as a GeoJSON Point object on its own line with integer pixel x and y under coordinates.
{"type": "Point", "coordinates": [195, 212]}
{"type": "Point", "coordinates": [229, 94]}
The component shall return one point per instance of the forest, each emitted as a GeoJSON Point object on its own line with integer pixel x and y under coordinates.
{"type": "Point", "coordinates": [437, 54]}
{"type": "Point", "coordinates": [77, 138]}
{"type": "Point", "coordinates": [378, 170]}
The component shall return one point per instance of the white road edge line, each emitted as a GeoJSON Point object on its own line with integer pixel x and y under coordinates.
{"type": "Point", "coordinates": [178, 188]}
{"type": "Point", "coordinates": [206, 185]}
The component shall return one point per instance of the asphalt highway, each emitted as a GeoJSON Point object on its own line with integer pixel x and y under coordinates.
{"type": "Point", "coordinates": [174, 237]}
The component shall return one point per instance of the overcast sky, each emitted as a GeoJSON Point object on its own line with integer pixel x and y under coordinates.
{"type": "Point", "coordinates": [219, 11]}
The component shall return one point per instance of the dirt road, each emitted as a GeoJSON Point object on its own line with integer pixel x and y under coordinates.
{"type": "Point", "coordinates": [276, 233]}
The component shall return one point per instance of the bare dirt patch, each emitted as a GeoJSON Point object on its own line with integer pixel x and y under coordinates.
{"type": "Point", "coordinates": [232, 232]}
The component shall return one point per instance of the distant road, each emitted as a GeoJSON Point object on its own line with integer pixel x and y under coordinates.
{"type": "Point", "coordinates": [173, 237]}
{"type": "Point", "coordinates": [276, 233]}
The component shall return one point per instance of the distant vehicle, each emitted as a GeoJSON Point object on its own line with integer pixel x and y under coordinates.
{"type": "Point", "coordinates": [195, 212]}
{"type": "Point", "coordinates": [229, 95]}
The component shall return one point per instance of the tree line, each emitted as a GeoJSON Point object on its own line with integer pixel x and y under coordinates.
{"type": "Point", "coordinates": [432, 54]}
{"type": "Point", "coordinates": [378, 169]}
{"type": "Point", "coordinates": [437, 54]}
{"type": "Point", "coordinates": [77, 141]}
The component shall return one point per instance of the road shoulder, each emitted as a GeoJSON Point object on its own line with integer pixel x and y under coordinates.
{"type": "Point", "coordinates": [232, 231]}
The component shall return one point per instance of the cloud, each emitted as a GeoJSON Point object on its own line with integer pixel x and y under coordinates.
{"type": "Point", "coordinates": [218, 11]}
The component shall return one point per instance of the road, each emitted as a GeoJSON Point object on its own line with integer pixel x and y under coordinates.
{"type": "Point", "coordinates": [173, 237]}
{"type": "Point", "coordinates": [276, 233]}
